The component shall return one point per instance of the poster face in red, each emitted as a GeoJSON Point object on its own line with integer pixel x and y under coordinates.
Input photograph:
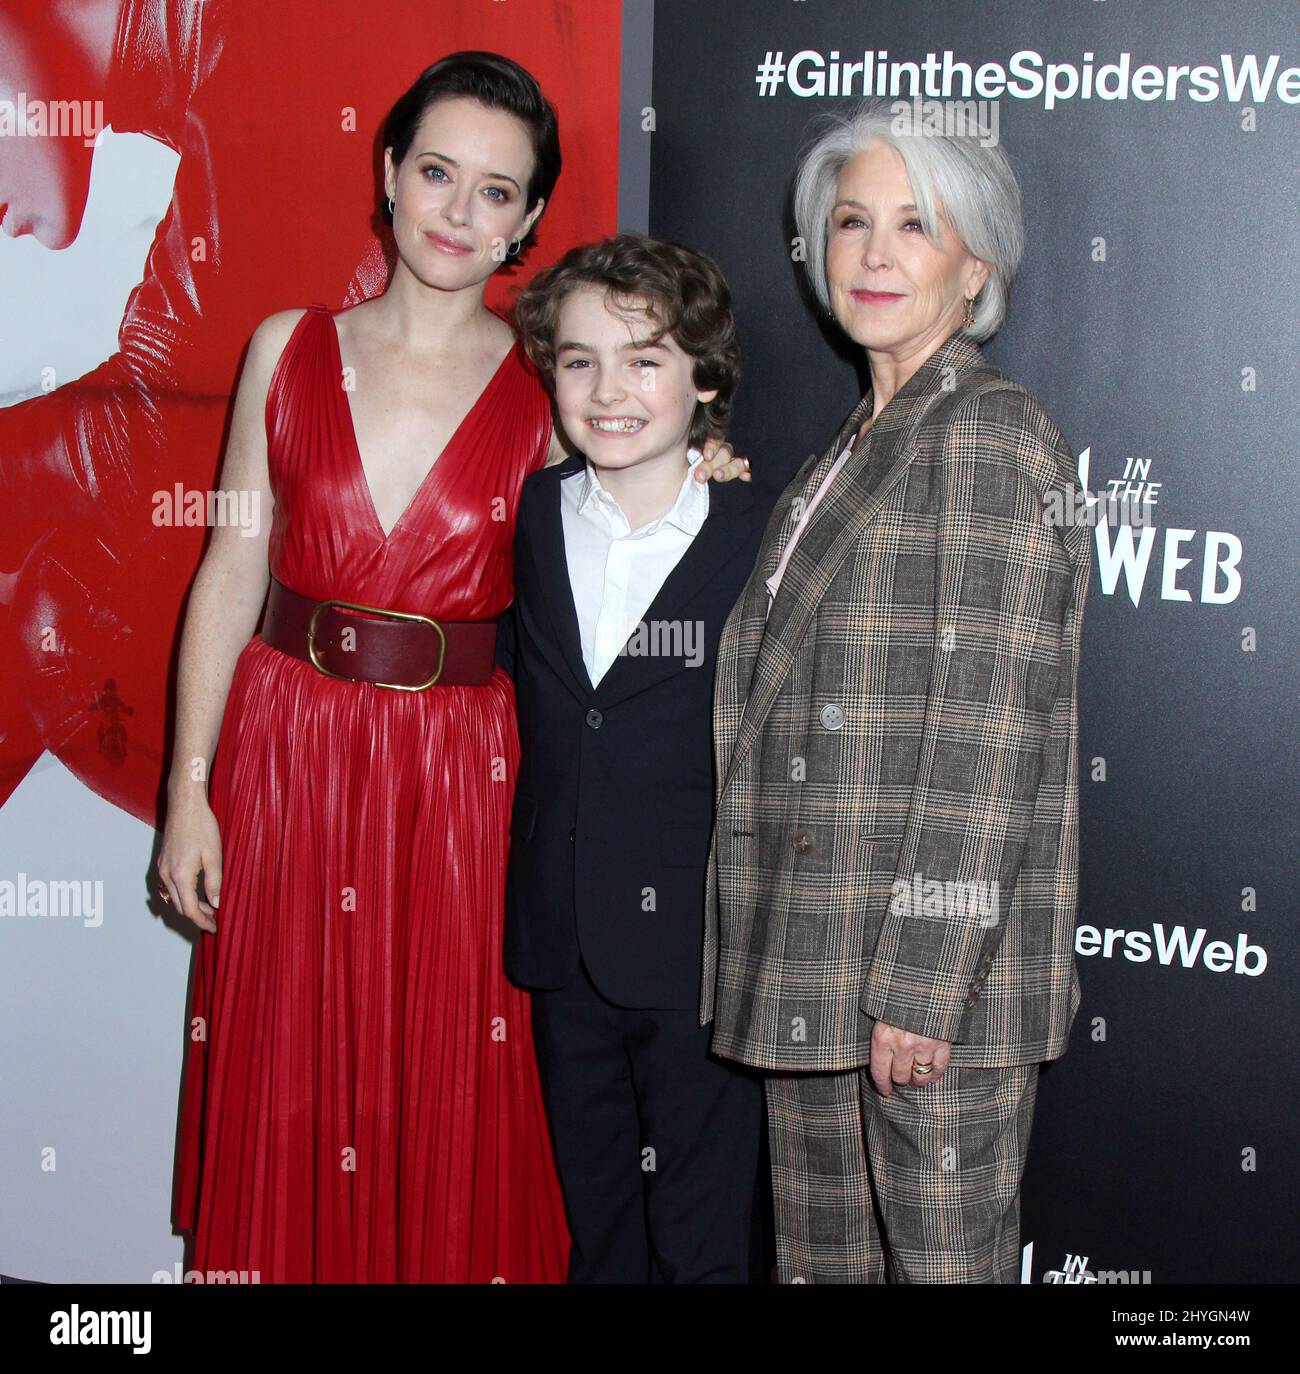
{"type": "Point", "coordinates": [274, 112]}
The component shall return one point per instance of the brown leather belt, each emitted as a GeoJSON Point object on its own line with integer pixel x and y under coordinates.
{"type": "Point", "coordinates": [396, 649]}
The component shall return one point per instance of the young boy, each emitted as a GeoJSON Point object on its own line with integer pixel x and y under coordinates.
{"type": "Point", "coordinates": [626, 568]}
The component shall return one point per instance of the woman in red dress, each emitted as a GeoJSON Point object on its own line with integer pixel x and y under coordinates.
{"type": "Point", "coordinates": [361, 1101]}
{"type": "Point", "coordinates": [364, 1106]}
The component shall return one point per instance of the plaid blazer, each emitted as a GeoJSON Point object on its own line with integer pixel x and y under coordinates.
{"type": "Point", "coordinates": [897, 831]}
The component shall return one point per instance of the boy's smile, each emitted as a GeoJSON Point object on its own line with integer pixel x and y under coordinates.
{"type": "Point", "coordinates": [623, 424]}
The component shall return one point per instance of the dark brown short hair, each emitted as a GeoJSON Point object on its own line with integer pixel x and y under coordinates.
{"type": "Point", "coordinates": [685, 295]}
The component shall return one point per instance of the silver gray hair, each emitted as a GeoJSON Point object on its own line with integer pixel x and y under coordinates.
{"type": "Point", "coordinates": [974, 183]}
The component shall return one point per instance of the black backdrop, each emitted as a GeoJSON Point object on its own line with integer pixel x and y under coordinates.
{"type": "Point", "coordinates": [1155, 318]}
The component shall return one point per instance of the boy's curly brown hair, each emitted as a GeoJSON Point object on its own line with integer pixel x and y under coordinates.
{"type": "Point", "coordinates": [682, 291]}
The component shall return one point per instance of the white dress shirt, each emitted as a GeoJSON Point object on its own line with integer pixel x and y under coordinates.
{"type": "Point", "coordinates": [615, 571]}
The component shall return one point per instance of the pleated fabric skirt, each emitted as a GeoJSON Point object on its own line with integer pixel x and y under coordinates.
{"type": "Point", "coordinates": [361, 1102]}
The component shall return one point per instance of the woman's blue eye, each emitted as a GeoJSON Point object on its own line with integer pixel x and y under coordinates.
{"type": "Point", "coordinates": [649, 362]}
{"type": "Point", "coordinates": [433, 172]}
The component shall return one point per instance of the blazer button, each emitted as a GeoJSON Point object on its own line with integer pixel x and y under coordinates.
{"type": "Point", "coordinates": [594, 718]}
{"type": "Point", "coordinates": [801, 842]}
{"type": "Point", "coordinates": [832, 716]}
{"type": "Point", "coordinates": [573, 836]}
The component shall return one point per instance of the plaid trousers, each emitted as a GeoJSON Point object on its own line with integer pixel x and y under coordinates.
{"type": "Point", "coordinates": [927, 1192]}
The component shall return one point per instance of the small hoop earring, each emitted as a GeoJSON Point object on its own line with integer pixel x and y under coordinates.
{"type": "Point", "coordinates": [514, 247]}
{"type": "Point", "coordinates": [390, 205]}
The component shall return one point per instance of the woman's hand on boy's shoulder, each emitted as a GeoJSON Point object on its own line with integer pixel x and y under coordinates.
{"type": "Point", "coordinates": [720, 463]}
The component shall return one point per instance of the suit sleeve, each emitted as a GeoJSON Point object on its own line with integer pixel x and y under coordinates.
{"type": "Point", "coordinates": [1003, 585]}
{"type": "Point", "coordinates": [507, 639]}
{"type": "Point", "coordinates": [508, 621]}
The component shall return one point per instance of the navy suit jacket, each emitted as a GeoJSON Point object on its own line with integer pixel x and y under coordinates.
{"type": "Point", "coordinates": [613, 811]}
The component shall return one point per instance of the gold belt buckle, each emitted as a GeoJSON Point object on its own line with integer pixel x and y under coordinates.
{"type": "Point", "coordinates": [379, 611]}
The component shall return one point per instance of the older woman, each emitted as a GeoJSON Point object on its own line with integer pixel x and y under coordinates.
{"type": "Point", "coordinates": [893, 876]}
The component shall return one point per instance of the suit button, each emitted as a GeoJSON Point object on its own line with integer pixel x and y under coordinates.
{"type": "Point", "coordinates": [594, 718]}
{"type": "Point", "coordinates": [572, 836]}
{"type": "Point", "coordinates": [832, 716]}
{"type": "Point", "coordinates": [801, 842]}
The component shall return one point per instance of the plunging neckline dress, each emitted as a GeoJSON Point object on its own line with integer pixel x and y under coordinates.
{"type": "Point", "coordinates": [361, 1101]}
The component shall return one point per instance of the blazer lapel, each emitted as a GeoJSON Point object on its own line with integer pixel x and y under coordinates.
{"type": "Point", "coordinates": [564, 647]}
{"type": "Point", "coordinates": [719, 538]}
{"type": "Point", "coordinates": [785, 515]}
{"type": "Point", "coordinates": [875, 466]}
{"type": "Point", "coordinates": [805, 483]}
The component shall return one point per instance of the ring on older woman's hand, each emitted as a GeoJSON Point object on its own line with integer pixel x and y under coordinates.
{"type": "Point", "coordinates": [923, 1068]}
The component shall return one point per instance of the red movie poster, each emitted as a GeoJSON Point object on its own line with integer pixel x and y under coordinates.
{"type": "Point", "coordinates": [274, 111]}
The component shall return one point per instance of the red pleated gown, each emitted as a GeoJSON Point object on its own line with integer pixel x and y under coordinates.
{"type": "Point", "coordinates": [361, 1099]}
